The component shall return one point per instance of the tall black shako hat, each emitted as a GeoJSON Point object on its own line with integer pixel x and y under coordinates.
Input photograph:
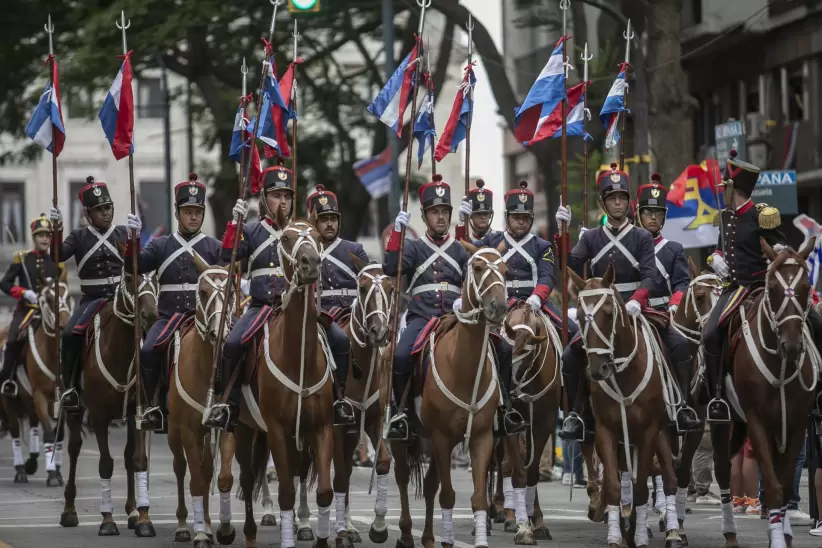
{"type": "Point", "coordinates": [613, 180]}
{"type": "Point", "coordinates": [277, 178]}
{"type": "Point", "coordinates": [741, 175]}
{"type": "Point", "coordinates": [435, 193]}
{"type": "Point", "coordinates": [94, 194]}
{"type": "Point", "coordinates": [322, 202]}
{"type": "Point", "coordinates": [651, 196]}
{"type": "Point", "coordinates": [41, 224]}
{"type": "Point", "coordinates": [190, 193]}
{"type": "Point", "coordinates": [519, 200]}
{"type": "Point", "coordinates": [481, 199]}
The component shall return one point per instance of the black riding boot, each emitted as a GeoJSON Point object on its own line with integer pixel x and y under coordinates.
{"type": "Point", "coordinates": [399, 428]}
{"type": "Point", "coordinates": [579, 424]}
{"type": "Point", "coordinates": [224, 415]}
{"type": "Point", "coordinates": [511, 420]}
{"type": "Point", "coordinates": [11, 357]}
{"type": "Point", "coordinates": [343, 410]}
{"type": "Point", "coordinates": [154, 418]}
{"type": "Point", "coordinates": [686, 418]}
{"type": "Point", "coordinates": [70, 370]}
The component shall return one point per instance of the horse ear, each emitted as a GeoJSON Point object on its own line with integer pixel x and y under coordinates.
{"type": "Point", "coordinates": [501, 247]}
{"type": "Point", "coordinates": [359, 263]}
{"type": "Point", "coordinates": [576, 279]}
{"type": "Point", "coordinates": [469, 247]}
{"type": "Point", "coordinates": [200, 263]}
{"type": "Point", "coordinates": [537, 339]}
{"type": "Point", "coordinates": [806, 251]}
{"type": "Point", "coordinates": [608, 278]}
{"type": "Point", "coordinates": [508, 331]}
{"type": "Point", "coordinates": [692, 268]}
{"type": "Point", "coordinates": [767, 249]}
{"type": "Point", "coordinates": [282, 218]}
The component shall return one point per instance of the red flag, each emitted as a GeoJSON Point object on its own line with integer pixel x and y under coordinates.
{"type": "Point", "coordinates": [708, 176]}
{"type": "Point", "coordinates": [278, 115]}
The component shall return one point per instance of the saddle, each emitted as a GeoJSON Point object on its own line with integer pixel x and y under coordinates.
{"type": "Point", "coordinates": [750, 299]}
{"type": "Point", "coordinates": [84, 320]}
{"type": "Point", "coordinates": [182, 322]}
{"type": "Point", "coordinates": [339, 315]}
{"type": "Point", "coordinates": [32, 319]}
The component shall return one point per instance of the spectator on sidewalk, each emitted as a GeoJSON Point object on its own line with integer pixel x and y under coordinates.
{"type": "Point", "coordinates": [699, 488]}
{"type": "Point", "coordinates": [745, 482]}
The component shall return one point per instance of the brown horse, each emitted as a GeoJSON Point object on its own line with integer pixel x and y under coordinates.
{"type": "Point", "coordinates": [295, 390]}
{"type": "Point", "coordinates": [537, 389]}
{"type": "Point", "coordinates": [368, 330]}
{"type": "Point", "coordinates": [460, 397]}
{"type": "Point", "coordinates": [773, 373]}
{"type": "Point", "coordinates": [107, 363]}
{"type": "Point", "coordinates": [622, 359]}
{"type": "Point", "coordinates": [36, 386]}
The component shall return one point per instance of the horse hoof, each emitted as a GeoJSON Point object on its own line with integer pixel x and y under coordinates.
{"type": "Point", "coordinates": [510, 527]}
{"type": "Point", "coordinates": [182, 535]}
{"type": "Point", "coordinates": [542, 533]}
{"type": "Point", "coordinates": [31, 464]}
{"type": "Point", "coordinates": [54, 479]}
{"type": "Point", "coordinates": [663, 526]}
{"type": "Point", "coordinates": [108, 529]}
{"type": "Point", "coordinates": [488, 524]}
{"type": "Point", "coordinates": [492, 511]}
{"type": "Point", "coordinates": [203, 543]}
{"type": "Point", "coordinates": [354, 535]}
{"type": "Point", "coordinates": [20, 475]}
{"type": "Point", "coordinates": [69, 519]}
{"type": "Point", "coordinates": [226, 537]}
{"type": "Point", "coordinates": [132, 523]}
{"type": "Point", "coordinates": [401, 544]}
{"type": "Point", "coordinates": [684, 538]}
{"type": "Point", "coordinates": [144, 530]}
{"type": "Point", "coordinates": [524, 537]}
{"type": "Point", "coordinates": [378, 537]}
{"type": "Point", "coordinates": [268, 520]}
{"type": "Point", "coordinates": [673, 543]}
{"type": "Point", "coordinates": [499, 518]}
{"type": "Point", "coordinates": [305, 534]}
{"type": "Point", "coordinates": [343, 542]}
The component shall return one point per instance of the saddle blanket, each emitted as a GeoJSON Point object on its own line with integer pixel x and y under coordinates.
{"type": "Point", "coordinates": [173, 324]}
{"type": "Point", "coordinates": [90, 310]}
{"type": "Point", "coordinates": [254, 327]}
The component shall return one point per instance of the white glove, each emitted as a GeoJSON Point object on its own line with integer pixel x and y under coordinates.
{"type": "Point", "coordinates": [719, 265]}
{"type": "Point", "coordinates": [466, 209]}
{"type": "Point", "coordinates": [457, 307]}
{"type": "Point", "coordinates": [634, 308]}
{"type": "Point", "coordinates": [778, 247]}
{"type": "Point", "coordinates": [240, 210]}
{"type": "Point", "coordinates": [245, 287]}
{"type": "Point", "coordinates": [402, 220]}
{"type": "Point", "coordinates": [134, 224]}
{"type": "Point", "coordinates": [673, 308]}
{"type": "Point", "coordinates": [563, 215]}
{"type": "Point", "coordinates": [55, 215]}
{"type": "Point", "coordinates": [582, 231]}
{"type": "Point", "coordinates": [534, 302]}
{"type": "Point", "coordinates": [30, 296]}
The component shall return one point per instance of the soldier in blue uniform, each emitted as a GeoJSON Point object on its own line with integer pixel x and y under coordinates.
{"type": "Point", "coordinates": [673, 267]}
{"type": "Point", "coordinates": [258, 251]}
{"type": "Point", "coordinates": [172, 257]}
{"type": "Point", "coordinates": [435, 267]}
{"type": "Point", "coordinates": [739, 259]}
{"type": "Point", "coordinates": [481, 202]}
{"type": "Point", "coordinates": [631, 250]}
{"type": "Point", "coordinates": [24, 280]}
{"type": "Point", "coordinates": [99, 266]}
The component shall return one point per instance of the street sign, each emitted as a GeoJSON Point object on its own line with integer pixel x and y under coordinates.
{"type": "Point", "coordinates": [777, 189]}
{"type": "Point", "coordinates": [730, 135]}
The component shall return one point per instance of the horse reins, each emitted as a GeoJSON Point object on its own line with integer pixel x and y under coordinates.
{"type": "Point", "coordinates": [694, 336]}
{"type": "Point", "coordinates": [146, 287]}
{"type": "Point", "coordinates": [48, 315]}
{"type": "Point", "coordinates": [472, 317]}
{"type": "Point", "coordinates": [215, 301]}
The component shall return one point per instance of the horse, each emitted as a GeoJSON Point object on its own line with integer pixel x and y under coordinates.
{"type": "Point", "coordinates": [451, 409]}
{"type": "Point", "coordinates": [368, 330]}
{"type": "Point", "coordinates": [295, 390]}
{"type": "Point", "coordinates": [770, 385]}
{"type": "Point", "coordinates": [36, 385]}
{"type": "Point", "coordinates": [107, 363]}
{"type": "Point", "coordinates": [537, 392]}
{"type": "Point", "coordinates": [623, 357]}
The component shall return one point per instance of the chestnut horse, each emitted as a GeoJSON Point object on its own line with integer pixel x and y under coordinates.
{"type": "Point", "coordinates": [460, 397]}
{"type": "Point", "coordinates": [537, 389]}
{"type": "Point", "coordinates": [36, 386]}
{"type": "Point", "coordinates": [773, 374]}
{"type": "Point", "coordinates": [368, 330]}
{"type": "Point", "coordinates": [107, 363]}
{"type": "Point", "coordinates": [623, 358]}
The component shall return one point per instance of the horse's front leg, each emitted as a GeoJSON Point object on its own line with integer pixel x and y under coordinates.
{"type": "Point", "coordinates": [52, 444]}
{"type": "Point", "coordinates": [323, 445]}
{"type": "Point", "coordinates": [143, 527]}
{"type": "Point", "coordinates": [108, 527]}
{"type": "Point", "coordinates": [481, 447]}
{"type": "Point", "coordinates": [532, 508]}
{"type": "Point", "coordinates": [128, 451]}
{"type": "Point", "coordinates": [607, 446]}
{"type": "Point", "coordinates": [225, 481]}
{"type": "Point", "coordinates": [69, 516]}
{"type": "Point", "coordinates": [344, 445]}
{"type": "Point", "coordinates": [497, 509]}
{"type": "Point", "coordinates": [662, 447]}
{"type": "Point", "coordinates": [402, 475]}
{"type": "Point", "coordinates": [378, 532]}
{"type": "Point", "coordinates": [720, 434]}
{"type": "Point", "coordinates": [175, 443]}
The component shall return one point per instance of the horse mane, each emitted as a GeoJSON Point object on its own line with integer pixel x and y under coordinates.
{"type": "Point", "coordinates": [784, 254]}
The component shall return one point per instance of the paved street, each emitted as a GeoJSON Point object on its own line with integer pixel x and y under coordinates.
{"type": "Point", "coordinates": [29, 514]}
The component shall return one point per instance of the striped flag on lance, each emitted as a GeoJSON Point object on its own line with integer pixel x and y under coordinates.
{"type": "Point", "coordinates": [376, 173]}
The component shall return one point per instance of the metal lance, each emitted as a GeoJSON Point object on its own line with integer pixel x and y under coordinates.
{"type": "Point", "coordinates": [395, 311]}
{"type": "Point", "coordinates": [218, 347]}
{"type": "Point", "coordinates": [628, 35]}
{"type": "Point", "coordinates": [564, 5]}
{"type": "Point", "coordinates": [586, 115]}
{"type": "Point", "coordinates": [238, 292]}
{"type": "Point", "coordinates": [469, 96]}
{"type": "Point", "coordinates": [296, 36]}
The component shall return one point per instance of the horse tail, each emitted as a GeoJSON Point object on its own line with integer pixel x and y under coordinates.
{"type": "Point", "coordinates": [259, 462]}
{"type": "Point", "coordinates": [739, 432]}
{"type": "Point", "coordinates": [415, 456]}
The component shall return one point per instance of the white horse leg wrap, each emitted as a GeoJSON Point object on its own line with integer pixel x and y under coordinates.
{"type": "Point", "coordinates": [530, 498]}
{"type": "Point", "coordinates": [51, 462]}
{"type": "Point", "coordinates": [324, 521]}
{"type": "Point", "coordinates": [448, 525]}
{"type": "Point", "coordinates": [614, 534]}
{"type": "Point", "coordinates": [106, 506]}
{"type": "Point", "coordinates": [142, 489]}
{"type": "Point", "coordinates": [339, 512]}
{"type": "Point", "coordinates": [34, 439]}
{"type": "Point", "coordinates": [381, 504]}
{"type": "Point", "coordinates": [287, 528]}
{"type": "Point", "coordinates": [641, 535]}
{"type": "Point", "coordinates": [225, 507]}
{"type": "Point", "coordinates": [508, 492]}
{"type": "Point", "coordinates": [519, 505]}
{"type": "Point", "coordinates": [480, 531]}
{"type": "Point", "coordinates": [728, 523]}
{"type": "Point", "coordinates": [198, 518]}
{"type": "Point", "coordinates": [670, 513]}
{"type": "Point", "coordinates": [659, 505]}
{"type": "Point", "coordinates": [625, 494]}
{"type": "Point", "coordinates": [18, 453]}
{"type": "Point", "coordinates": [681, 502]}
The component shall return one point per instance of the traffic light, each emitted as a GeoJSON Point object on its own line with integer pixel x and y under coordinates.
{"type": "Point", "coordinates": [303, 6]}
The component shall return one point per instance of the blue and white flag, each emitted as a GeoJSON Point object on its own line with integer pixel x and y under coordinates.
{"type": "Point", "coordinates": [46, 125]}
{"type": "Point", "coordinates": [392, 101]}
{"type": "Point", "coordinates": [424, 130]}
{"type": "Point", "coordinates": [377, 173]}
{"type": "Point", "coordinates": [612, 107]}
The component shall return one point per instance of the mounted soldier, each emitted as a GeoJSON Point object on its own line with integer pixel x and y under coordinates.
{"type": "Point", "coordinates": [258, 251]}
{"type": "Point", "coordinates": [95, 248]}
{"type": "Point", "coordinates": [631, 251]}
{"type": "Point", "coordinates": [530, 277]}
{"type": "Point", "coordinates": [740, 261]}
{"type": "Point", "coordinates": [481, 214]}
{"type": "Point", "coordinates": [673, 267]}
{"type": "Point", "coordinates": [172, 257]}
{"type": "Point", "coordinates": [24, 280]}
{"type": "Point", "coordinates": [435, 264]}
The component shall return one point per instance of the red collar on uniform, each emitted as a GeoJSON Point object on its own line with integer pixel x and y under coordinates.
{"type": "Point", "coordinates": [658, 239]}
{"type": "Point", "coordinates": [271, 222]}
{"type": "Point", "coordinates": [437, 242]}
{"type": "Point", "coordinates": [38, 252]}
{"type": "Point", "coordinates": [744, 207]}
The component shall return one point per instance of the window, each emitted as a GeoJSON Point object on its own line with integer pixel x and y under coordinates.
{"type": "Point", "coordinates": [150, 98]}
{"type": "Point", "coordinates": [76, 215]}
{"type": "Point", "coordinates": [12, 213]}
{"type": "Point", "coordinates": [155, 206]}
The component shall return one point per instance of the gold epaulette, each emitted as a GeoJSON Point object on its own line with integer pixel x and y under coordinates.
{"type": "Point", "coordinates": [769, 217]}
{"type": "Point", "coordinates": [20, 256]}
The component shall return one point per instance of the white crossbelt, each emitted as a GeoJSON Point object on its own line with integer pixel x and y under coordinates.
{"type": "Point", "coordinates": [516, 284]}
{"type": "Point", "coordinates": [185, 247]}
{"type": "Point", "coordinates": [277, 271]}
{"type": "Point", "coordinates": [111, 280]}
{"type": "Point", "coordinates": [438, 252]}
{"type": "Point", "coordinates": [629, 286]}
{"type": "Point", "coordinates": [165, 288]}
{"type": "Point", "coordinates": [514, 248]}
{"type": "Point", "coordinates": [616, 242]}
{"type": "Point", "coordinates": [339, 292]}
{"type": "Point", "coordinates": [443, 286]}
{"type": "Point", "coordinates": [325, 255]}
{"type": "Point", "coordinates": [102, 240]}
{"type": "Point", "coordinates": [656, 301]}
{"type": "Point", "coordinates": [659, 265]}
{"type": "Point", "coordinates": [274, 235]}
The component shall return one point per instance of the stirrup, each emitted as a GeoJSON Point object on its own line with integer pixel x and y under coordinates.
{"type": "Point", "coordinates": [70, 400]}
{"type": "Point", "coordinates": [399, 422]}
{"type": "Point", "coordinates": [685, 411]}
{"type": "Point", "coordinates": [344, 407]}
{"type": "Point", "coordinates": [567, 425]}
{"type": "Point", "coordinates": [9, 384]}
{"type": "Point", "coordinates": [212, 417]}
{"type": "Point", "coordinates": [719, 412]}
{"type": "Point", "coordinates": [146, 422]}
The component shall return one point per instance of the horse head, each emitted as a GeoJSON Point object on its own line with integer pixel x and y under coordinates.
{"type": "Point", "coordinates": [483, 291]}
{"type": "Point", "coordinates": [602, 318]}
{"type": "Point", "coordinates": [146, 295]}
{"type": "Point", "coordinates": [299, 253]}
{"type": "Point", "coordinates": [525, 332]}
{"type": "Point", "coordinates": [695, 309]}
{"type": "Point", "coordinates": [210, 301]}
{"type": "Point", "coordinates": [787, 297]}
{"type": "Point", "coordinates": [370, 311]}
{"type": "Point", "coordinates": [56, 288]}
